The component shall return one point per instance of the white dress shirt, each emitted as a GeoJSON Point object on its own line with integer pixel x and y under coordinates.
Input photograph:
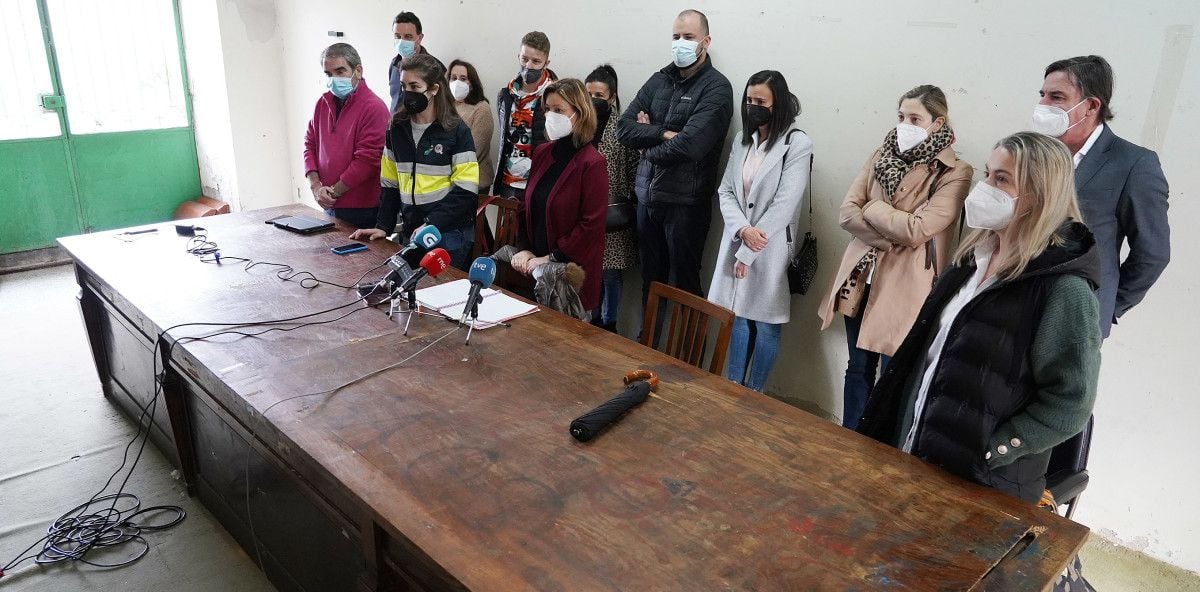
{"type": "Point", "coordinates": [1088, 144]}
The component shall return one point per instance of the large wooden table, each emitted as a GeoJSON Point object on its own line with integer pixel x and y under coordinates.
{"type": "Point", "coordinates": [454, 469]}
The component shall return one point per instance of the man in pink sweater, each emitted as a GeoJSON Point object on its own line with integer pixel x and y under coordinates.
{"type": "Point", "coordinates": [344, 142]}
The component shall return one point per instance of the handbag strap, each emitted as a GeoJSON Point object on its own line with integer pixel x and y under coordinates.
{"type": "Point", "coordinates": [787, 141]}
{"type": "Point", "coordinates": [931, 244]}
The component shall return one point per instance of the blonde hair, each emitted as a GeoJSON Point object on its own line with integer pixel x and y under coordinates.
{"type": "Point", "coordinates": [1044, 173]}
{"type": "Point", "coordinates": [575, 94]}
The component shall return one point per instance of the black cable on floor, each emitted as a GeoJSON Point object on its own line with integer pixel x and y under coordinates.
{"type": "Point", "coordinates": [85, 527]}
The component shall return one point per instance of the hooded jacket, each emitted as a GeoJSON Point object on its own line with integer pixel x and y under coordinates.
{"type": "Point", "coordinates": [1016, 376]}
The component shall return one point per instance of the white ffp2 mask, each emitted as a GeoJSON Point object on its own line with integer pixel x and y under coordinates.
{"type": "Point", "coordinates": [908, 135]}
{"type": "Point", "coordinates": [1053, 121]}
{"type": "Point", "coordinates": [557, 125]}
{"type": "Point", "coordinates": [989, 208]}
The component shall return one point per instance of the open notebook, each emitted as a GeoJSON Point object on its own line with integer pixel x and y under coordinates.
{"type": "Point", "coordinates": [494, 307]}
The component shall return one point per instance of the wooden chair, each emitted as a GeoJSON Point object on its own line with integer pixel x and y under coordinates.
{"type": "Point", "coordinates": [684, 336]}
{"type": "Point", "coordinates": [488, 240]}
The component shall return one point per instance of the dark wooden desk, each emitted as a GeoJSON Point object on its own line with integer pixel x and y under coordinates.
{"type": "Point", "coordinates": [454, 470]}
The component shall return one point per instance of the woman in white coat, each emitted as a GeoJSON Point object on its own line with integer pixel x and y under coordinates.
{"type": "Point", "coordinates": [760, 196]}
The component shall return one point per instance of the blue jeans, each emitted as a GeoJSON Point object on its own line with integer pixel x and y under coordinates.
{"type": "Point", "coordinates": [612, 281]}
{"type": "Point", "coordinates": [753, 346]}
{"type": "Point", "coordinates": [356, 217]}
{"type": "Point", "coordinates": [860, 374]}
{"type": "Point", "coordinates": [458, 243]}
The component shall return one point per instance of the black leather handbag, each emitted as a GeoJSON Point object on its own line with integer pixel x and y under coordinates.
{"type": "Point", "coordinates": [803, 266]}
{"type": "Point", "coordinates": [620, 216]}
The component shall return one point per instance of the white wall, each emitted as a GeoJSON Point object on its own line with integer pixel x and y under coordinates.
{"type": "Point", "coordinates": [848, 61]}
{"type": "Point", "coordinates": [210, 99]}
{"type": "Point", "coordinates": [234, 55]}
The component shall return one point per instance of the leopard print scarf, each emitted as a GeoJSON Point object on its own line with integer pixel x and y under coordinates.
{"type": "Point", "coordinates": [894, 164]}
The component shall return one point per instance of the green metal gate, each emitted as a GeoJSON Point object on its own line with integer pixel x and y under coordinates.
{"type": "Point", "coordinates": [95, 120]}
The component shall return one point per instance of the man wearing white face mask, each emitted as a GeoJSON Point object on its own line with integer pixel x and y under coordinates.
{"type": "Point", "coordinates": [678, 121]}
{"type": "Point", "coordinates": [1120, 185]}
{"type": "Point", "coordinates": [408, 35]}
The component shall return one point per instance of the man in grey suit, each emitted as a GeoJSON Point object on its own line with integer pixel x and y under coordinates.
{"type": "Point", "coordinates": [1121, 188]}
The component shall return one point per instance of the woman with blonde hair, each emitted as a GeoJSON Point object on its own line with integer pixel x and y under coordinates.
{"type": "Point", "coordinates": [1002, 362]}
{"type": "Point", "coordinates": [567, 193]}
{"type": "Point", "coordinates": [900, 213]}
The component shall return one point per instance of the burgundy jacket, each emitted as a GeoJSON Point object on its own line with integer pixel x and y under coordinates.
{"type": "Point", "coordinates": [348, 146]}
{"type": "Point", "coordinates": [575, 212]}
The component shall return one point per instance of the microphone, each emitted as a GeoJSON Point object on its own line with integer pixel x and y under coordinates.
{"type": "Point", "coordinates": [432, 264]}
{"type": "Point", "coordinates": [405, 262]}
{"type": "Point", "coordinates": [482, 274]}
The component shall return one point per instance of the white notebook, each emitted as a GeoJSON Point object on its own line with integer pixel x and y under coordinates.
{"type": "Point", "coordinates": [495, 307]}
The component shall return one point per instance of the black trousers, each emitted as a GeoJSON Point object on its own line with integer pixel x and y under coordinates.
{"type": "Point", "coordinates": [357, 217]}
{"type": "Point", "coordinates": [671, 240]}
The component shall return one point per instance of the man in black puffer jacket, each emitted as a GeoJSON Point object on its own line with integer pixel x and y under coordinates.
{"type": "Point", "coordinates": [678, 121]}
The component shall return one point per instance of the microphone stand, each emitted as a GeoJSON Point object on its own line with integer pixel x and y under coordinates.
{"type": "Point", "coordinates": [397, 300]}
{"type": "Point", "coordinates": [411, 295]}
{"type": "Point", "coordinates": [474, 314]}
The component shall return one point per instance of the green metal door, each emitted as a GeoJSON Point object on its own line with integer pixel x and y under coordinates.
{"type": "Point", "coordinates": [95, 123]}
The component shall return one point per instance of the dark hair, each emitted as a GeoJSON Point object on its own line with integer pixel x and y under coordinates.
{"type": "Point", "coordinates": [431, 70]}
{"type": "Point", "coordinates": [785, 109]}
{"type": "Point", "coordinates": [475, 95]}
{"type": "Point", "coordinates": [703, 18]}
{"type": "Point", "coordinates": [409, 18]}
{"type": "Point", "coordinates": [606, 75]}
{"type": "Point", "coordinates": [537, 40]}
{"type": "Point", "coordinates": [1092, 76]}
{"type": "Point", "coordinates": [344, 51]}
{"type": "Point", "coordinates": [932, 98]}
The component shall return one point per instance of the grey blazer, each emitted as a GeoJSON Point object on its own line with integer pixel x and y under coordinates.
{"type": "Point", "coordinates": [1123, 196]}
{"type": "Point", "coordinates": [772, 206]}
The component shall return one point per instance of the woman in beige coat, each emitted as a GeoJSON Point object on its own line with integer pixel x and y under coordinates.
{"type": "Point", "coordinates": [901, 211]}
{"type": "Point", "coordinates": [474, 109]}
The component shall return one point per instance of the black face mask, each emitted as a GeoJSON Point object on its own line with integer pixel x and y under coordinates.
{"type": "Point", "coordinates": [757, 116]}
{"type": "Point", "coordinates": [603, 109]}
{"type": "Point", "coordinates": [414, 102]}
{"type": "Point", "coordinates": [531, 75]}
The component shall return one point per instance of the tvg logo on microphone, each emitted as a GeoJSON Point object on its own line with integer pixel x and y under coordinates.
{"type": "Point", "coordinates": [428, 236]}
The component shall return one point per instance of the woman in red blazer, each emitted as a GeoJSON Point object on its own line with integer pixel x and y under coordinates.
{"type": "Point", "coordinates": [567, 194]}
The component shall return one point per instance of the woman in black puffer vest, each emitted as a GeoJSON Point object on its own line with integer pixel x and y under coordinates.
{"type": "Point", "coordinates": [1001, 364]}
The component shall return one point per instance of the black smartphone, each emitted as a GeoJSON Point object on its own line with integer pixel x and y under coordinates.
{"type": "Point", "coordinates": [348, 248]}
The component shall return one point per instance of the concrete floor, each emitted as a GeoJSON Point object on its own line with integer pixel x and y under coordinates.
{"type": "Point", "coordinates": [63, 439]}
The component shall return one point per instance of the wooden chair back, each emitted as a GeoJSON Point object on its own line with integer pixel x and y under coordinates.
{"type": "Point", "coordinates": [686, 326]}
{"type": "Point", "coordinates": [488, 240]}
